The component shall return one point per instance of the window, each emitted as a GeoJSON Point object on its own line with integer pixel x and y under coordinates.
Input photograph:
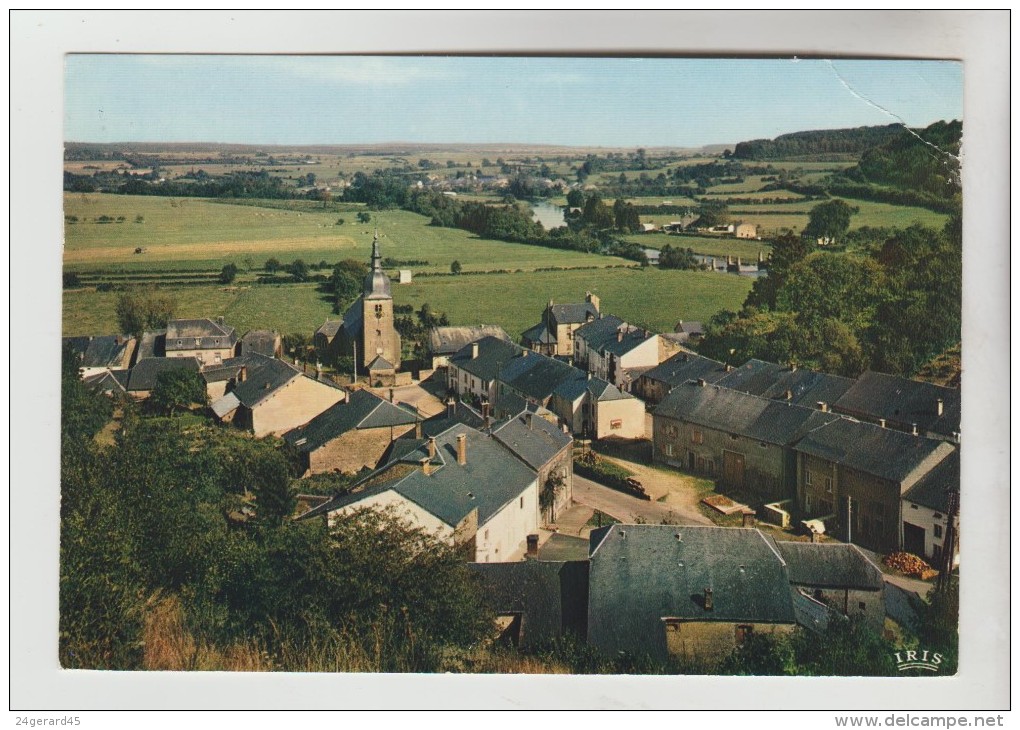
{"type": "Point", "coordinates": [861, 605]}
{"type": "Point", "coordinates": [936, 553]}
{"type": "Point", "coordinates": [669, 449]}
{"type": "Point", "coordinates": [763, 445]}
{"type": "Point", "coordinates": [938, 530]}
{"type": "Point", "coordinates": [828, 484]}
{"type": "Point", "coordinates": [616, 423]}
{"type": "Point", "coordinates": [807, 503]}
{"type": "Point", "coordinates": [701, 463]}
{"type": "Point", "coordinates": [807, 477]}
{"type": "Point", "coordinates": [711, 466]}
{"type": "Point", "coordinates": [697, 437]}
{"type": "Point", "coordinates": [733, 437]}
{"type": "Point", "coordinates": [378, 311]}
{"type": "Point", "coordinates": [743, 633]}
{"type": "Point", "coordinates": [522, 502]}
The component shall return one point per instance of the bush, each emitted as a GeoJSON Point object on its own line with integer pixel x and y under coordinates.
{"type": "Point", "coordinates": [591, 466]}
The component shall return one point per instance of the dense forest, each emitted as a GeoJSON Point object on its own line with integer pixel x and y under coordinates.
{"type": "Point", "coordinates": [924, 160]}
{"type": "Point", "coordinates": [820, 142]}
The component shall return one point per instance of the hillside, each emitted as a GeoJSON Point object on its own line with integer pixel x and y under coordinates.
{"type": "Point", "coordinates": [926, 160]}
{"type": "Point", "coordinates": [848, 142]}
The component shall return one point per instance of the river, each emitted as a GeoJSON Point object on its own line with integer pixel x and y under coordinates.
{"type": "Point", "coordinates": [549, 215]}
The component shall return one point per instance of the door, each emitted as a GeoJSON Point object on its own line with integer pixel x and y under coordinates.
{"type": "Point", "coordinates": [913, 539]}
{"type": "Point", "coordinates": [733, 469]}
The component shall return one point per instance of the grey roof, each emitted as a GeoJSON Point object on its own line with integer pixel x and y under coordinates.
{"type": "Point", "coordinates": [101, 351]}
{"type": "Point", "coordinates": [539, 333]}
{"type": "Point", "coordinates": [490, 479]}
{"type": "Point", "coordinates": [264, 380]}
{"type": "Point", "coordinates": [564, 547]}
{"type": "Point", "coordinates": [551, 596]}
{"type": "Point", "coordinates": [689, 328]}
{"type": "Point", "coordinates": [769, 380]}
{"type": "Point", "coordinates": [733, 412]}
{"type": "Point", "coordinates": [354, 318]}
{"type": "Point", "coordinates": [377, 284]}
{"type": "Point", "coordinates": [612, 335]}
{"type": "Point", "coordinates": [462, 414]}
{"type": "Point", "coordinates": [364, 410]}
{"type": "Point", "coordinates": [448, 340]}
{"type": "Point", "coordinates": [329, 328]}
{"type": "Point", "coordinates": [599, 331]}
{"type": "Point", "coordinates": [830, 565]}
{"type": "Point", "coordinates": [881, 452]}
{"type": "Point", "coordinates": [686, 366]}
{"type": "Point", "coordinates": [380, 363]}
{"type": "Point", "coordinates": [493, 353]}
{"type": "Point", "coordinates": [573, 313]}
{"type": "Point", "coordinates": [532, 438]}
{"type": "Point", "coordinates": [641, 574]}
{"type": "Point", "coordinates": [603, 391]}
{"type": "Point", "coordinates": [537, 376]}
{"type": "Point", "coordinates": [903, 401]}
{"type": "Point", "coordinates": [227, 404]}
{"type": "Point", "coordinates": [108, 381]}
{"type": "Point", "coordinates": [144, 373]}
{"type": "Point", "coordinates": [152, 344]}
{"type": "Point", "coordinates": [208, 334]}
{"type": "Point", "coordinates": [263, 342]}
{"type": "Point", "coordinates": [931, 489]}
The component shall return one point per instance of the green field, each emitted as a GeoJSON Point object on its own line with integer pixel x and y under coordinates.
{"type": "Point", "coordinates": [717, 246]}
{"type": "Point", "coordinates": [190, 233]}
{"type": "Point", "coordinates": [649, 297]}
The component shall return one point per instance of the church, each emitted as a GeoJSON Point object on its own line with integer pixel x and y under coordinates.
{"type": "Point", "coordinates": [367, 332]}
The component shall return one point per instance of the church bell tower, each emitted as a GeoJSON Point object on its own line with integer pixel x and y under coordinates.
{"type": "Point", "coordinates": [379, 335]}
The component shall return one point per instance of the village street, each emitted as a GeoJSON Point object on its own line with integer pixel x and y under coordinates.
{"type": "Point", "coordinates": [631, 509]}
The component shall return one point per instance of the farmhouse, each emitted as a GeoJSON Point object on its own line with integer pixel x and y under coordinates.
{"type": "Point", "coordinates": [461, 485]}
{"type": "Point", "coordinates": [145, 373]}
{"type": "Point", "coordinates": [211, 342]}
{"type": "Point", "coordinates": [926, 512]}
{"type": "Point", "coordinates": [851, 466]}
{"type": "Point", "coordinates": [655, 384]}
{"type": "Point", "coordinates": [274, 398]}
{"type": "Point", "coordinates": [97, 355]}
{"type": "Point", "coordinates": [534, 378]}
{"type": "Point", "coordinates": [548, 450]}
{"type": "Point", "coordinates": [261, 342]}
{"type": "Point", "coordinates": [745, 230]}
{"type": "Point", "coordinates": [473, 370]}
{"type": "Point", "coordinates": [554, 335]}
{"type": "Point", "coordinates": [352, 434]}
{"type": "Point", "coordinates": [903, 404]}
{"type": "Point", "coordinates": [791, 384]}
{"type": "Point", "coordinates": [741, 440]}
{"type": "Point", "coordinates": [597, 409]}
{"type": "Point", "coordinates": [610, 349]}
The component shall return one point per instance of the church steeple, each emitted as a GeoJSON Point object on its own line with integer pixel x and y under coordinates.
{"type": "Point", "coordinates": [377, 284]}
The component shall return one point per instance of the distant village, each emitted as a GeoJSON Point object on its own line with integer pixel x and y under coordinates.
{"type": "Point", "coordinates": [488, 444]}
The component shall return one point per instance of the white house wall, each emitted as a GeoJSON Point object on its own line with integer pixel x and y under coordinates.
{"type": "Point", "coordinates": [403, 508]}
{"type": "Point", "coordinates": [504, 538]}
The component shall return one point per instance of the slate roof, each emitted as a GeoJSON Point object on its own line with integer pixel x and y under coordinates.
{"type": "Point", "coordinates": [731, 411]}
{"type": "Point", "coordinates": [604, 335]}
{"type": "Point", "coordinates": [448, 340]}
{"type": "Point", "coordinates": [380, 363]}
{"type": "Point", "coordinates": [930, 490]}
{"type": "Point", "coordinates": [354, 318]}
{"type": "Point", "coordinates": [209, 334]}
{"type": "Point", "coordinates": [599, 331]}
{"type": "Point", "coordinates": [532, 438]}
{"type": "Point", "coordinates": [104, 351]}
{"type": "Point", "coordinates": [152, 344]}
{"type": "Point", "coordinates": [561, 546]}
{"type": "Point", "coordinates": [882, 452]}
{"type": "Point", "coordinates": [144, 373]}
{"type": "Point", "coordinates": [902, 401]}
{"type": "Point", "coordinates": [830, 565]}
{"type": "Point", "coordinates": [689, 328]}
{"type": "Point", "coordinates": [462, 414]}
{"type": "Point", "coordinates": [263, 381]}
{"type": "Point", "coordinates": [640, 574]}
{"type": "Point", "coordinates": [573, 313]}
{"type": "Point", "coordinates": [493, 353]}
{"type": "Point", "coordinates": [537, 376]}
{"type": "Point", "coordinates": [108, 381]}
{"type": "Point", "coordinates": [262, 342]}
{"type": "Point", "coordinates": [364, 410]}
{"type": "Point", "coordinates": [603, 391]}
{"type": "Point", "coordinates": [769, 380]}
{"type": "Point", "coordinates": [491, 478]}
{"type": "Point", "coordinates": [551, 596]}
{"type": "Point", "coordinates": [538, 333]}
{"type": "Point", "coordinates": [227, 404]}
{"type": "Point", "coordinates": [686, 366]}
{"type": "Point", "coordinates": [329, 328]}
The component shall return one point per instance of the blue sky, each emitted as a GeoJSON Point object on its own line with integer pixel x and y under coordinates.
{"type": "Point", "coordinates": [610, 102]}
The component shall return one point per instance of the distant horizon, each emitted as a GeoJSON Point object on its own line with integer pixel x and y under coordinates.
{"type": "Point", "coordinates": [576, 102]}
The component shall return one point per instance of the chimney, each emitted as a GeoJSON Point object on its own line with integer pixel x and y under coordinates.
{"type": "Point", "coordinates": [267, 386]}
{"type": "Point", "coordinates": [426, 466]}
{"type": "Point", "coordinates": [474, 350]}
{"type": "Point", "coordinates": [462, 449]}
{"type": "Point", "coordinates": [530, 418]}
{"type": "Point", "coordinates": [822, 406]}
{"type": "Point", "coordinates": [913, 429]}
{"type": "Point", "coordinates": [881, 422]}
{"type": "Point", "coordinates": [789, 395]}
{"type": "Point", "coordinates": [417, 429]}
{"type": "Point", "coordinates": [729, 368]}
{"type": "Point", "coordinates": [451, 407]}
{"type": "Point", "coordinates": [709, 604]}
{"type": "Point", "coordinates": [532, 546]}
{"type": "Point", "coordinates": [748, 519]}
{"type": "Point", "coordinates": [793, 367]}
{"type": "Point", "coordinates": [619, 335]}
{"type": "Point", "coordinates": [432, 447]}
{"type": "Point", "coordinates": [701, 382]}
{"type": "Point", "coordinates": [391, 395]}
{"type": "Point", "coordinates": [219, 321]}
{"type": "Point", "coordinates": [939, 406]}
{"type": "Point", "coordinates": [485, 408]}
{"type": "Point", "coordinates": [589, 375]}
{"type": "Point", "coordinates": [242, 374]}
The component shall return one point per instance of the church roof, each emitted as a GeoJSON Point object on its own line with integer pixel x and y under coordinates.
{"type": "Point", "coordinates": [377, 284]}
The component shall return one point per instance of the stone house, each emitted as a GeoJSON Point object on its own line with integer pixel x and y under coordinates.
{"type": "Point", "coordinates": [593, 408]}
{"type": "Point", "coordinates": [352, 434]}
{"type": "Point", "coordinates": [745, 230]}
{"type": "Point", "coordinates": [926, 512]}
{"type": "Point", "coordinates": [462, 486]}
{"type": "Point", "coordinates": [693, 592]}
{"type": "Point", "coordinates": [786, 383]}
{"type": "Point", "coordinates": [534, 378]}
{"type": "Point", "coordinates": [472, 372]}
{"type": "Point", "coordinates": [208, 341]}
{"type": "Point", "coordinates": [261, 342]}
{"type": "Point", "coordinates": [903, 404]}
{"type": "Point", "coordinates": [554, 335]}
{"type": "Point", "coordinates": [742, 441]}
{"type": "Point", "coordinates": [655, 384]}
{"type": "Point", "coordinates": [608, 348]}
{"type": "Point", "coordinates": [545, 448]}
{"type": "Point", "coordinates": [274, 398]}
{"type": "Point", "coordinates": [100, 354]}
{"type": "Point", "coordinates": [144, 374]}
{"type": "Point", "coordinates": [866, 469]}
{"type": "Point", "coordinates": [838, 575]}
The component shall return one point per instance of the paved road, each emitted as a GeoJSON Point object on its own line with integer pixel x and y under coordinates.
{"type": "Point", "coordinates": [631, 509]}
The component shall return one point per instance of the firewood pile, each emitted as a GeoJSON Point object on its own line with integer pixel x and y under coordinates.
{"type": "Point", "coordinates": [910, 565]}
